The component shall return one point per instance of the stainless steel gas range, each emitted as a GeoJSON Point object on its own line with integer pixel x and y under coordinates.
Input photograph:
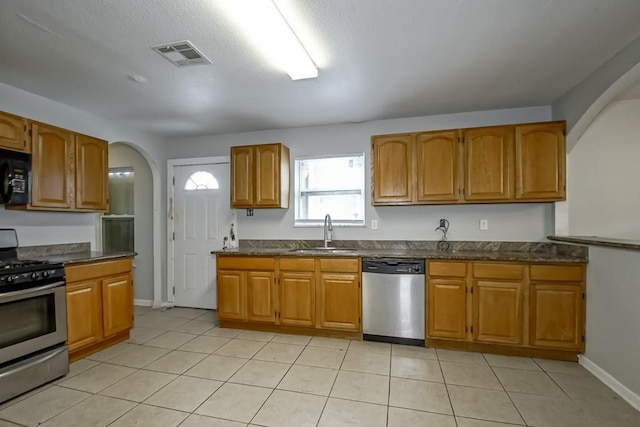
{"type": "Point", "coordinates": [33, 324]}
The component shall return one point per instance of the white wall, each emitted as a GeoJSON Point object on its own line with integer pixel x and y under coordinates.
{"type": "Point", "coordinates": [121, 155]}
{"type": "Point", "coordinates": [613, 314]}
{"type": "Point", "coordinates": [515, 222]}
{"type": "Point", "coordinates": [603, 175]}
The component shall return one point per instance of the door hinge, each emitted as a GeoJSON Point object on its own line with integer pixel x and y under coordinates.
{"type": "Point", "coordinates": [471, 329]}
{"type": "Point", "coordinates": [173, 181]}
{"type": "Point", "coordinates": [583, 338]}
{"type": "Point", "coordinates": [564, 187]}
{"type": "Point", "coordinates": [471, 288]}
{"type": "Point", "coordinates": [359, 283]}
{"type": "Point", "coordinates": [174, 291]}
{"type": "Point", "coordinates": [466, 329]}
{"type": "Point", "coordinates": [174, 235]}
{"type": "Point", "coordinates": [583, 296]}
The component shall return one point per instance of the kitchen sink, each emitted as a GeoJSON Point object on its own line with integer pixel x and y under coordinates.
{"type": "Point", "coordinates": [321, 249]}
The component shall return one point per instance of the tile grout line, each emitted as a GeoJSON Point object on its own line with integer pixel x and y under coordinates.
{"type": "Point", "coordinates": [444, 381]}
{"type": "Point", "coordinates": [505, 391]}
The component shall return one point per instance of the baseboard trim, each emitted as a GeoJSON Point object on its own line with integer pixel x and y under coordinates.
{"type": "Point", "coordinates": [632, 398]}
{"type": "Point", "coordinates": [143, 302]}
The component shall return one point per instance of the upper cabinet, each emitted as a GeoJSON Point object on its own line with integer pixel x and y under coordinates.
{"type": "Point", "coordinates": [13, 133]}
{"type": "Point", "coordinates": [540, 162]}
{"type": "Point", "coordinates": [68, 171]}
{"type": "Point", "coordinates": [260, 176]}
{"type": "Point", "coordinates": [92, 169]}
{"type": "Point", "coordinates": [498, 164]}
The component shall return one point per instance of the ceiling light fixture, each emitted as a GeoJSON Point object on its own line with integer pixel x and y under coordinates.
{"type": "Point", "coordinates": [263, 23]}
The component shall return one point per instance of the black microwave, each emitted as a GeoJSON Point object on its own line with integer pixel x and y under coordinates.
{"type": "Point", "coordinates": [15, 177]}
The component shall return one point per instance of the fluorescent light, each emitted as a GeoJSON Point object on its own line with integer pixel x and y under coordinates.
{"type": "Point", "coordinates": [263, 23]}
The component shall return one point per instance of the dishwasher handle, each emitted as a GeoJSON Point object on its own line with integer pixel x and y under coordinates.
{"type": "Point", "coordinates": [393, 265]}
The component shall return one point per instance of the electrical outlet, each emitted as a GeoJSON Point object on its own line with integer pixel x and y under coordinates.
{"type": "Point", "coordinates": [374, 224]}
{"type": "Point", "coordinates": [484, 224]}
{"type": "Point", "coordinates": [249, 212]}
{"type": "Point", "coordinates": [443, 223]}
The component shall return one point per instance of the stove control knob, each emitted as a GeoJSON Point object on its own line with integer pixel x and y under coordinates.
{"type": "Point", "coordinates": [12, 278]}
{"type": "Point", "coordinates": [35, 276]}
{"type": "Point", "coordinates": [45, 273]}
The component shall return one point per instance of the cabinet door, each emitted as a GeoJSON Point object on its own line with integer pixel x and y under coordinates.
{"type": "Point", "coordinates": [540, 162]}
{"type": "Point", "coordinates": [117, 304]}
{"type": "Point", "coordinates": [296, 293]}
{"type": "Point", "coordinates": [267, 189]}
{"type": "Point", "coordinates": [498, 311]}
{"type": "Point", "coordinates": [488, 165]}
{"type": "Point", "coordinates": [92, 167]}
{"type": "Point", "coordinates": [447, 308]}
{"type": "Point", "coordinates": [84, 320]}
{"type": "Point", "coordinates": [232, 301]}
{"type": "Point", "coordinates": [338, 301]}
{"type": "Point", "coordinates": [13, 133]}
{"type": "Point", "coordinates": [392, 170]}
{"type": "Point", "coordinates": [242, 178]}
{"type": "Point", "coordinates": [52, 167]}
{"type": "Point", "coordinates": [260, 296]}
{"type": "Point", "coordinates": [557, 315]}
{"type": "Point", "coordinates": [437, 166]}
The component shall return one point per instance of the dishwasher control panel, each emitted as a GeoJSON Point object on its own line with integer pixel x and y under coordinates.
{"type": "Point", "coordinates": [393, 265]}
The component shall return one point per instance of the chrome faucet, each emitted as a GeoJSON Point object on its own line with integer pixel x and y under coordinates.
{"type": "Point", "coordinates": [328, 230]}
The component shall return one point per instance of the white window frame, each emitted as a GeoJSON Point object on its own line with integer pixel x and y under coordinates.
{"type": "Point", "coordinates": [335, 222]}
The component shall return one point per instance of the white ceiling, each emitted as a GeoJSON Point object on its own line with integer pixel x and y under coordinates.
{"type": "Point", "coordinates": [377, 59]}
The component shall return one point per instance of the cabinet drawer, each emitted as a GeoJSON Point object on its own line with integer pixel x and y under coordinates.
{"type": "Point", "coordinates": [347, 265]}
{"type": "Point", "coordinates": [447, 269]}
{"type": "Point", "coordinates": [246, 263]}
{"type": "Point", "coordinates": [565, 273]}
{"type": "Point", "coordinates": [297, 264]}
{"type": "Point", "coordinates": [498, 271]}
{"type": "Point", "coordinates": [92, 270]}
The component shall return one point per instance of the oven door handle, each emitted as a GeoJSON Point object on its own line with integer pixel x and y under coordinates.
{"type": "Point", "coordinates": [31, 290]}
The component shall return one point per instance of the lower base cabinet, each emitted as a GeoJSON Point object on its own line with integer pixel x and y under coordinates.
{"type": "Point", "coordinates": [511, 305]}
{"type": "Point", "coordinates": [306, 293]}
{"type": "Point", "coordinates": [99, 304]}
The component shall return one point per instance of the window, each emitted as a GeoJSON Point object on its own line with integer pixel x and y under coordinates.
{"type": "Point", "coordinates": [201, 180]}
{"type": "Point", "coordinates": [330, 185]}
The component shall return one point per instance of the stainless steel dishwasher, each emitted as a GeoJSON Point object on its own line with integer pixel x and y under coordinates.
{"type": "Point", "coordinates": [393, 303]}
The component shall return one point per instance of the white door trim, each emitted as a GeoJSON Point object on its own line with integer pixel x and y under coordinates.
{"type": "Point", "coordinates": [171, 163]}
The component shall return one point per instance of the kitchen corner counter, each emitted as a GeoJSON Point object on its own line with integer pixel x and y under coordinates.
{"type": "Point", "coordinates": [629, 244]}
{"type": "Point", "coordinates": [89, 256]}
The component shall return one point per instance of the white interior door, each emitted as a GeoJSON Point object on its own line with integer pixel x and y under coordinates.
{"type": "Point", "coordinates": [201, 220]}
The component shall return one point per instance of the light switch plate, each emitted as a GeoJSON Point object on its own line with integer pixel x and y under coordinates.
{"type": "Point", "coordinates": [484, 224]}
{"type": "Point", "coordinates": [374, 224]}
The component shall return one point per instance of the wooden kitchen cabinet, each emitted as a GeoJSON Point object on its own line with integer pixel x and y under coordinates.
{"type": "Point", "coordinates": [117, 304]}
{"type": "Point", "coordinates": [99, 305]}
{"type": "Point", "coordinates": [437, 159]}
{"type": "Point", "coordinates": [496, 164]}
{"type": "Point", "coordinates": [52, 167]}
{"type": "Point", "coordinates": [69, 171]}
{"type": "Point", "coordinates": [296, 291]}
{"type": "Point", "coordinates": [540, 155]}
{"type": "Point", "coordinates": [84, 309]}
{"type": "Point", "coordinates": [92, 169]}
{"type": "Point", "coordinates": [557, 306]}
{"type": "Point", "coordinates": [498, 300]}
{"type": "Point", "coordinates": [488, 163]}
{"type": "Point", "coordinates": [393, 169]}
{"type": "Point", "coordinates": [261, 296]}
{"type": "Point", "coordinates": [246, 288]}
{"type": "Point", "coordinates": [13, 133]}
{"type": "Point", "coordinates": [520, 308]}
{"type": "Point", "coordinates": [260, 176]}
{"type": "Point", "coordinates": [339, 296]}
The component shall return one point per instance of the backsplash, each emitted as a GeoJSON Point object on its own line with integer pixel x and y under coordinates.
{"type": "Point", "coordinates": [48, 250]}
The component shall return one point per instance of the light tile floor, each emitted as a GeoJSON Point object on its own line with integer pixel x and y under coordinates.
{"type": "Point", "coordinates": [178, 368]}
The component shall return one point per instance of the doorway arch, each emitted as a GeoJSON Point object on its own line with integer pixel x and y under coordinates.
{"type": "Point", "coordinates": [147, 274]}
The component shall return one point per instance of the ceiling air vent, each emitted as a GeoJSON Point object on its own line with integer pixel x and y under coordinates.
{"type": "Point", "coordinates": [181, 53]}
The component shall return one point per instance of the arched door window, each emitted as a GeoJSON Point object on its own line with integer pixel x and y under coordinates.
{"type": "Point", "coordinates": [201, 180]}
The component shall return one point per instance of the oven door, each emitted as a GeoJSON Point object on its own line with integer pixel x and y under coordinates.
{"type": "Point", "coordinates": [32, 320]}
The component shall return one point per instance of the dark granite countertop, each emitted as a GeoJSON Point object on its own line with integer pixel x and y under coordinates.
{"type": "Point", "coordinates": [478, 255]}
{"type": "Point", "coordinates": [633, 245]}
{"type": "Point", "coordinates": [88, 256]}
